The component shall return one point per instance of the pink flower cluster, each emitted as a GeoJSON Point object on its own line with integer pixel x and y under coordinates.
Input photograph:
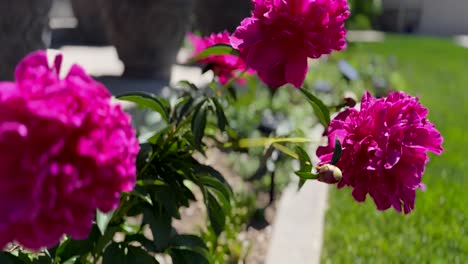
{"type": "Point", "coordinates": [224, 67]}
{"type": "Point", "coordinates": [281, 34]}
{"type": "Point", "coordinates": [385, 147]}
{"type": "Point", "coordinates": [65, 151]}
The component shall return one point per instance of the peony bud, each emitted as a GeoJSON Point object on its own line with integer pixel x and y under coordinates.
{"type": "Point", "coordinates": [348, 101]}
{"type": "Point", "coordinates": [329, 174]}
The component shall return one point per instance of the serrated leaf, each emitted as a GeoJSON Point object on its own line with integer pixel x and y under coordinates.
{"type": "Point", "coordinates": [336, 152]}
{"type": "Point", "coordinates": [218, 49]}
{"type": "Point", "coordinates": [199, 124]}
{"type": "Point", "coordinates": [149, 101]}
{"type": "Point", "coordinates": [321, 110]}
{"type": "Point", "coordinates": [103, 219]}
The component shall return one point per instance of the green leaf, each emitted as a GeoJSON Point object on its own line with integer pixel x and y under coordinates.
{"type": "Point", "coordinates": [102, 220]}
{"type": "Point", "coordinates": [140, 238]}
{"type": "Point", "coordinates": [71, 248]}
{"type": "Point", "coordinates": [232, 92]}
{"type": "Point", "coordinates": [7, 258]}
{"type": "Point", "coordinates": [74, 260]}
{"type": "Point", "coordinates": [215, 213]}
{"type": "Point", "coordinates": [188, 241]}
{"type": "Point", "coordinates": [186, 103]}
{"type": "Point", "coordinates": [301, 184]}
{"type": "Point", "coordinates": [114, 254]}
{"type": "Point", "coordinates": [305, 161]}
{"type": "Point", "coordinates": [149, 101]}
{"type": "Point", "coordinates": [199, 124]}
{"type": "Point", "coordinates": [188, 84]}
{"type": "Point", "coordinates": [285, 150]}
{"type": "Point", "coordinates": [106, 238]}
{"type": "Point", "coordinates": [321, 110]}
{"type": "Point", "coordinates": [136, 255]}
{"type": "Point", "coordinates": [336, 152]}
{"type": "Point", "coordinates": [216, 184]}
{"type": "Point", "coordinates": [160, 225]}
{"type": "Point", "coordinates": [184, 256]}
{"type": "Point", "coordinates": [218, 49]}
{"type": "Point", "coordinates": [306, 175]}
{"type": "Point", "coordinates": [222, 120]}
{"type": "Point", "coordinates": [42, 260]}
{"type": "Point", "coordinates": [264, 142]}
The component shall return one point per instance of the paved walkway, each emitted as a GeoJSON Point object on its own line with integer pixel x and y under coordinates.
{"type": "Point", "coordinates": [298, 229]}
{"type": "Point", "coordinates": [299, 224]}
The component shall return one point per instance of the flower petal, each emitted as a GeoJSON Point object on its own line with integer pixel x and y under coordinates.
{"type": "Point", "coordinates": [296, 69]}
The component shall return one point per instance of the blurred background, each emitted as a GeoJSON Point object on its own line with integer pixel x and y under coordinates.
{"type": "Point", "coordinates": [419, 46]}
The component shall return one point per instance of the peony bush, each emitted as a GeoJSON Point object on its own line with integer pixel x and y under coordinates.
{"type": "Point", "coordinates": [78, 186]}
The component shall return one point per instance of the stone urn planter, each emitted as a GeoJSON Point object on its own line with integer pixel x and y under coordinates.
{"type": "Point", "coordinates": [23, 25]}
{"type": "Point", "coordinates": [90, 24]}
{"type": "Point", "coordinates": [147, 34]}
{"type": "Point", "coordinates": [219, 15]}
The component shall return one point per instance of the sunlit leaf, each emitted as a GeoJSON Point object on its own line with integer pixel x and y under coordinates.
{"type": "Point", "coordinates": [306, 175]}
{"type": "Point", "coordinates": [305, 161]}
{"type": "Point", "coordinates": [286, 150]}
{"type": "Point", "coordinates": [103, 219]}
{"type": "Point", "coordinates": [149, 101]}
{"type": "Point", "coordinates": [321, 110]}
{"type": "Point", "coordinates": [215, 213]}
{"type": "Point", "coordinates": [218, 49]}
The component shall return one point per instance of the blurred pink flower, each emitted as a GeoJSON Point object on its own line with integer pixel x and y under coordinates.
{"type": "Point", "coordinates": [281, 34]}
{"type": "Point", "coordinates": [65, 151]}
{"type": "Point", "coordinates": [385, 147]}
{"type": "Point", "coordinates": [224, 67]}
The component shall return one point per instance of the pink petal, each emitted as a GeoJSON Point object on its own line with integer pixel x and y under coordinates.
{"type": "Point", "coordinates": [264, 56]}
{"type": "Point", "coordinates": [296, 69]}
{"type": "Point", "coordinates": [247, 34]}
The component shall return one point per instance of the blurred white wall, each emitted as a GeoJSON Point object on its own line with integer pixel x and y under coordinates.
{"type": "Point", "coordinates": [444, 17]}
{"type": "Point", "coordinates": [432, 17]}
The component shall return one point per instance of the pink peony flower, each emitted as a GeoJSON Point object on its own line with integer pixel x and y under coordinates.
{"type": "Point", "coordinates": [281, 34]}
{"type": "Point", "coordinates": [385, 147]}
{"type": "Point", "coordinates": [65, 150]}
{"type": "Point", "coordinates": [224, 67]}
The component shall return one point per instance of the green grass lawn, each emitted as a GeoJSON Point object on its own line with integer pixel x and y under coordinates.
{"type": "Point", "coordinates": [436, 231]}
